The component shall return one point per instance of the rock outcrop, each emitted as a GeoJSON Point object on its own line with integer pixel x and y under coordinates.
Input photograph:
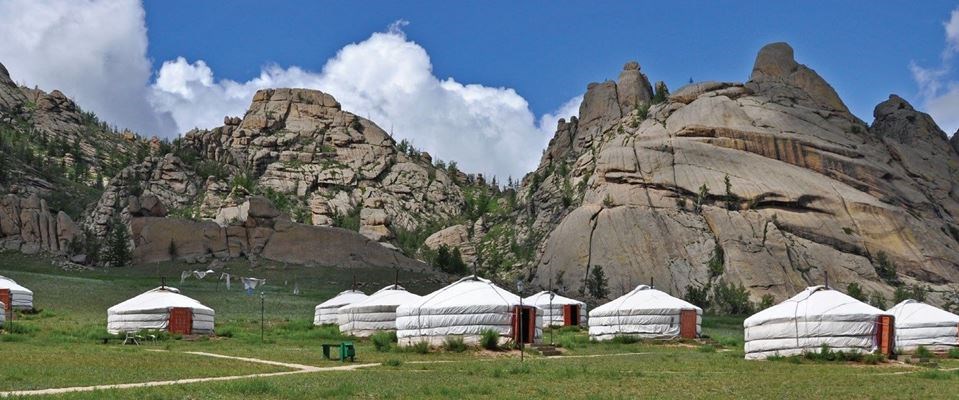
{"type": "Point", "coordinates": [773, 177]}
{"type": "Point", "coordinates": [29, 226]}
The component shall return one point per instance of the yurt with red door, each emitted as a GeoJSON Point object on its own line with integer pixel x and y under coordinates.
{"type": "Point", "coordinates": [163, 308]}
{"type": "Point", "coordinates": [466, 309]}
{"type": "Point", "coordinates": [14, 296]}
{"type": "Point", "coordinates": [645, 313]}
{"type": "Point", "coordinates": [558, 310]}
{"type": "Point", "coordinates": [920, 324]}
{"type": "Point", "coordinates": [817, 317]}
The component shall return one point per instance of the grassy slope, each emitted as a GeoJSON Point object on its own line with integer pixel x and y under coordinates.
{"type": "Point", "coordinates": [59, 349]}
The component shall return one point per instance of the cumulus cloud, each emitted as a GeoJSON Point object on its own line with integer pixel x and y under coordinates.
{"type": "Point", "coordinates": [93, 51]}
{"type": "Point", "coordinates": [389, 79]}
{"type": "Point", "coordinates": [939, 92]}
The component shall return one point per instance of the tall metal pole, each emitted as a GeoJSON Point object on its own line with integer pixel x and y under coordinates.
{"type": "Point", "coordinates": [520, 326]}
{"type": "Point", "coordinates": [262, 308]}
{"type": "Point", "coordinates": [550, 323]}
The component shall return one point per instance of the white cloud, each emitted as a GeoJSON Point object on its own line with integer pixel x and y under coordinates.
{"type": "Point", "coordinates": [388, 79]}
{"type": "Point", "coordinates": [93, 51]}
{"type": "Point", "coordinates": [938, 93]}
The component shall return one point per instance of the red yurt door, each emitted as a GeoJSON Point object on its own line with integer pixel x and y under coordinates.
{"type": "Point", "coordinates": [524, 324]}
{"type": "Point", "coordinates": [6, 299]}
{"type": "Point", "coordinates": [181, 320]}
{"type": "Point", "coordinates": [885, 334]}
{"type": "Point", "coordinates": [687, 324]}
{"type": "Point", "coordinates": [571, 315]}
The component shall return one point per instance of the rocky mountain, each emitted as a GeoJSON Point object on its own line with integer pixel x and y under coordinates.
{"type": "Point", "coordinates": [770, 183]}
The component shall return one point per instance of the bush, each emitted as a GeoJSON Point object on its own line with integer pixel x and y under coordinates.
{"type": "Point", "coordinates": [449, 261]}
{"type": "Point", "coordinates": [767, 301]}
{"type": "Point", "coordinates": [698, 296]}
{"type": "Point", "coordinates": [953, 352]}
{"type": "Point", "coordinates": [731, 299]}
{"type": "Point", "coordinates": [421, 347]}
{"type": "Point", "coordinates": [855, 291]}
{"type": "Point", "coordinates": [885, 268]}
{"type": "Point", "coordinates": [874, 358]}
{"type": "Point", "coordinates": [717, 263]}
{"type": "Point", "coordinates": [383, 341]}
{"type": "Point", "coordinates": [454, 344]}
{"type": "Point", "coordinates": [624, 339]}
{"type": "Point", "coordinates": [923, 352]}
{"type": "Point", "coordinates": [489, 339]}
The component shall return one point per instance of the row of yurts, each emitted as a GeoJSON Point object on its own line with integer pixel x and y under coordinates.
{"type": "Point", "coordinates": [815, 317]}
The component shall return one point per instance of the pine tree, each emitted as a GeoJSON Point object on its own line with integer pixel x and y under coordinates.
{"type": "Point", "coordinates": [117, 252]}
{"type": "Point", "coordinates": [597, 284]}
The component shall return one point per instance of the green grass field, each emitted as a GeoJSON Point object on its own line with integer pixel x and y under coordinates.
{"type": "Point", "coordinates": [59, 348]}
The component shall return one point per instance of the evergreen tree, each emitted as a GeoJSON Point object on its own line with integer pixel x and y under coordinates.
{"type": "Point", "coordinates": [117, 252]}
{"type": "Point", "coordinates": [597, 284]}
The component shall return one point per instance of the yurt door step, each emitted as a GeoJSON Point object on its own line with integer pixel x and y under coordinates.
{"type": "Point", "coordinates": [687, 324]}
{"type": "Point", "coordinates": [571, 314]}
{"type": "Point", "coordinates": [524, 324]}
{"type": "Point", "coordinates": [885, 334]}
{"type": "Point", "coordinates": [6, 299]}
{"type": "Point", "coordinates": [181, 320]}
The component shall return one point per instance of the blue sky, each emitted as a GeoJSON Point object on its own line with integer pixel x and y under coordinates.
{"type": "Point", "coordinates": [482, 83]}
{"type": "Point", "coordinates": [549, 51]}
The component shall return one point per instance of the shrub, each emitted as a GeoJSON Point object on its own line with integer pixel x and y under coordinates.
{"type": "Point", "coordinates": [923, 352]}
{"type": "Point", "coordinates": [731, 299]}
{"type": "Point", "coordinates": [877, 300]}
{"type": "Point", "coordinates": [383, 341]}
{"type": "Point", "coordinates": [489, 339]}
{"type": "Point", "coordinates": [874, 358]}
{"type": "Point", "coordinates": [698, 296]}
{"type": "Point", "coordinates": [392, 363]}
{"type": "Point", "coordinates": [624, 339]}
{"type": "Point", "coordinates": [855, 291]}
{"type": "Point", "coordinates": [885, 268]}
{"type": "Point", "coordinates": [421, 347]}
{"type": "Point", "coordinates": [953, 352]}
{"type": "Point", "coordinates": [917, 293]}
{"type": "Point", "coordinates": [449, 261]}
{"type": "Point", "coordinates": [454, 344]}
{"type": "Point", "coordinates": [717, 263]}
{"type": "Point", "coordinates": [767, 301]}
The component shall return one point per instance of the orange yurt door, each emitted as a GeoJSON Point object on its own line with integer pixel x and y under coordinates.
{"type": "Point", "coordinates": [687, 324]}
{"type": "Point", "coordinates": [571, 314]}
{"type": "Point", "coordinates": [181, 320]}
{"type": "Point", "coordinates": [524, 324]}
{"type": "Point", "coordinates": [6, 299]}
{"type": "Point", "coordinates": [886, 334]}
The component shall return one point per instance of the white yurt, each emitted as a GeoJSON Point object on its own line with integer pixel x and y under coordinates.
{"type": "Point", "coordinates": [163, 308]}
{"type": "Point", "coordinates": [327, 311]}
{"type": "Point", "coordinates": [15, 296]}
{"type": "Point", "coordinates": [466, 308]}
{"type": "Point", "coordinates": [557, 310]}
{"type": "Point", "coordinates": [645, 313]}
{"type": "Point", "coordinates": [815, 317]}
{"type": "Point", "coordinates": [919, 324]}
{"type": "Point", "coordinates": [374, 313]}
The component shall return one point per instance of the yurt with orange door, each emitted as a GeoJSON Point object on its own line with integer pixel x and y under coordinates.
{"type": "Point", "coordinates": [163, 308]}
{"type": "Point", "coordinates": [466, 309]}
{"type": "Point", "coordinates": [558, 310]}
{"type": "Point", "coordinates": [645, 313]}
{"type": "Point", "coordinates": [14, 296]}
{"type": "Point", "coordinates": [816, 317]}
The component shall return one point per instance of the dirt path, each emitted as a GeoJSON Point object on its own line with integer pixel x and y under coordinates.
{"type": "Point", "coordinates": [296, 369]}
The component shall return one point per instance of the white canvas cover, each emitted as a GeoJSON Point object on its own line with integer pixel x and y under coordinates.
{"type": "Point", "coordinates": [919, 324]}
{"type": "Point", "coordinates": [151, 310]}
{"type": "Point", "coordinates": [644, 312]}
{"type": "Point", "coordinates": [465, 308]}
{"type": "Point", "coordinates": [327, 311]}
{"type": "Point", "coordinates": [20, 297]}
{"type": "Point", "coordinates": [3, 313]}
{"type": "Point", "coordinates": [815, 317]}
{"type": "Point", "coordinates": [552, 310]}
{"type": "Point", "coordinates": [374, 313]}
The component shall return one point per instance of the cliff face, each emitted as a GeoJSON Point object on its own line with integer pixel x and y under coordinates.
{"type": "Point", "coordinates": [773, 176]}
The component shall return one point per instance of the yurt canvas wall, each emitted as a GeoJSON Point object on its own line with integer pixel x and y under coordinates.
{"type": "Point", "coordinates": [15, 296]}
{"type": "Point", "coordinates": [163, 308]}
{"type": "Point", "coordinates": [815, 317]}
{"type": "Point", "coordinates": [645, 313]}
{"type": "Point", "coordinates": [465, 309]}
{"type": "Point", "coordinates": [919, 324]}
{"type": "Point", "coordinates": [374, 313]}
{"type": "Point", "coordinates": [327, 312]}
{"type": "Point", "coordinates": [558, 311]}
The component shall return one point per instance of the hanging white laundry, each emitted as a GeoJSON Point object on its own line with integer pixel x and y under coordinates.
{"type": "Point", "coordinates": [184, 275]}
{"type": "Point", "coordinates": [296, 288]}
{"type": "Point", "coordinates": [252, 283]}
{"type": "Point", "coordinates": [225, 276]}
{"type": "Point", "coordinates": [202, 274]}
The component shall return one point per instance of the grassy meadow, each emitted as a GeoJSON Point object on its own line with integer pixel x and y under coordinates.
{"type": "Point", "coordinates": [59, 347]}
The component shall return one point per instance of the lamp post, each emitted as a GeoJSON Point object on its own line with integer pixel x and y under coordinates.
{"type": "Point", "coordinates": [519, 318]}
{"type": "Point", "coordinates": [262, 308]}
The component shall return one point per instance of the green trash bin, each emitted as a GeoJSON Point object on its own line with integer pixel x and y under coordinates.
{"type": "Point", "coordinates": [347, 350]}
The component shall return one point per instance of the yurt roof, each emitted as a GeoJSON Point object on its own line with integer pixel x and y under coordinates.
{"type": "Point", "coordinates": [159, 298]}
{"type": "Point", "coordinates": [644, 297]}
{"type": "Point", "coordinates": [343, 298]}
{"type": "Point", "coordinates": [912, 312]}
{"type": "Point", "coordinates": [816, 300]}
{"type": "Point", "coordinates": [390, 295]}
{"type": "Point", "coordinates": [469, 291]}
{"type": "Point", "coordinates": [7, 283]}
{"type": "Point", "coordinates": [542, 299]}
